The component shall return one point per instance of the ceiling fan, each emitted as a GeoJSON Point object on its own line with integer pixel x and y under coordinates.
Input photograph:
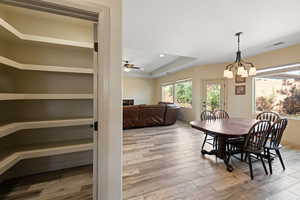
{"type": "Point", "coordinates": [129, 66]}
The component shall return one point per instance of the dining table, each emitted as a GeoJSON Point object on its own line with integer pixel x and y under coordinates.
{"type": "Point", "coordinates": [223, 129]}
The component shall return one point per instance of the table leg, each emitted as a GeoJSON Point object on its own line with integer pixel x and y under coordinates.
{"type": "Point", "coordinates": [222, 153]}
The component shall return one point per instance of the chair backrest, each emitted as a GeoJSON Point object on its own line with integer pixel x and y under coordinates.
{"type": "Point", "coordinates": [257, 136]}
{"type": "Point", "coordinates": [221, 114]}
{"type": "Point", "coordinates": [269, 116]}
{"type": "Point", "coordinates": [207, 115]}
{"type": "Point", "coordinates": [276, 132]}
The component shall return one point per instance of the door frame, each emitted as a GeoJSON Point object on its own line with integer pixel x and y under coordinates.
{"type": "Point", "coordinates": [108, 146]}
{"type": "Point", "coordinates": [203, 91]}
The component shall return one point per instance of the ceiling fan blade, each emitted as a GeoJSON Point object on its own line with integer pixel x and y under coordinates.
{"type": "Point", "coordinates": [138, 68]}
{"type": "Point", "coordinates": [135, 67]}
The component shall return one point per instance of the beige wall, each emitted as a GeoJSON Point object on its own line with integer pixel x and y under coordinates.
{"type": "Point", "coordinates": [142, 90]}
{"type": "Point", "coordinates": [237, 106]}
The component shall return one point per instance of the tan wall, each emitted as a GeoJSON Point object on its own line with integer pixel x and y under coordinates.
{"type": "Point", "coordinates": [142, 90]}
{"type": "Point", "coordinates": [237, 106]}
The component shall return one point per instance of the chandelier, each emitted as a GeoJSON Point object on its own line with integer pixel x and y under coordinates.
{"type": "Point", "coordinates": [242, 68]}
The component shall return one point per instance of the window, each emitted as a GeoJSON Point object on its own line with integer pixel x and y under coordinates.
{"type": "Point", "coordinates": [179, 92]}
{"type": "Point", "coordinates": [183, 93]}
{"type": "Point", "coordinates": [279, 92]}
{"type": "Point", "coordinates": [167, 93]}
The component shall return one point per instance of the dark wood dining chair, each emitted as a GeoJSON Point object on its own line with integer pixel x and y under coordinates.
{"type": "Point", "coordinates": [208, 115]}
{"type": "Point", "coordinates": [269, 116]}
{"type": "Point", "coordinates": [273, 143]}
{"type": "Point", "coordinates": [221, 114]}
{"type": "Point", "coordinates": [254, 144]}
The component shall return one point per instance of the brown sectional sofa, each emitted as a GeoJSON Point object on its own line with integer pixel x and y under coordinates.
{"type": "Point", "coordinates": [149, 115]}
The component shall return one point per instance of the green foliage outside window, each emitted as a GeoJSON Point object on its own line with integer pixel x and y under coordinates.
{"type": "Point", "coordinates": [213, 97]}
{"type": "Point", "coordinates": [183, 93]}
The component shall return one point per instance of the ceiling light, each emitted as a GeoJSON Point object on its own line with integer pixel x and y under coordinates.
{"type": "Point", "coordinates": [240, 66]}
{"type": "Point", "coordinates": [162, 55]}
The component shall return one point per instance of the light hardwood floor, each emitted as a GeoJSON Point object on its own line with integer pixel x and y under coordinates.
{"type": "Point", "coordinates": [164, 163]}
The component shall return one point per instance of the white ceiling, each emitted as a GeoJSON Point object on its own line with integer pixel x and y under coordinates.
{"type": "Point", "coordinates": [204, 29]}
{"type": "Point", "coordinates": [150, 61]}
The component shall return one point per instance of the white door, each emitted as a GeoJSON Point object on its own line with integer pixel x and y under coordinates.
{"type": "Point", "coordinates": [213, 96]}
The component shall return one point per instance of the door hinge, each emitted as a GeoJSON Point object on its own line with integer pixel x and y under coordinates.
{"type": "Point", "coordinates": [96, 46]}
{"type": "Point", "coordinates": [95, 126]}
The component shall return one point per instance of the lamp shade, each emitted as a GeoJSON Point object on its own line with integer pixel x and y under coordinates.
{"type": "Point", "coordinates": [230, 74]}
{"type": "Point", "coordinates": [126, 69]}
{"type": "Point", "coordinates": [252, 71]}
{"type": "Point", "coordinates": [244, 73]}
{"type": "Point", "coordinates": [240, 70]}
{"type": "Point", "coordinates": [226, 71]}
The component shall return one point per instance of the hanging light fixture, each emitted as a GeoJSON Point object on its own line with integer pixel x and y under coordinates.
{"type": "Point", "coordinates": [241, 67]}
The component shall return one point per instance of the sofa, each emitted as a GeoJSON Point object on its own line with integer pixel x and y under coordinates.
{"type": "Point", "coordinates": [140, 116]}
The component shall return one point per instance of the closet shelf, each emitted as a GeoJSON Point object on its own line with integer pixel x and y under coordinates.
{"type": "Point", "coordinates": [16, 96]}
{"type": "Point", "coordinates": [43, 39]}
{"type": "Point", "coordinates": [46, 68]}
{"type": "Point", "coordinates": [17, 126]}
{"type": "Point", "coordinates": [45, 151]}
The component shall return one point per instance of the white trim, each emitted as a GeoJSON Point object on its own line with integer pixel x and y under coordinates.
{"type": "Point", "coordinates": [184, 80]}
{"type": "Point", "coordinates": [110, 107]}
{"type": "Point", "coordinates": [17, 126]}
{"type": "Point", "coordinates": [253, 102]}
{"type": "Point", "coordinates": [277, 69]}
{"type": "Point", "coordinates": [53, 8]}
{"type": "Point", "coordinates": [14, 158]}
{"type": "Point", "coordinates": [20, 66]}
{"type": "Point", "coordinates": [15, 96]}
{"type": "Point", "coordinates": [95, 113]}
{"type": "Point", "coordinates": [43, 39]}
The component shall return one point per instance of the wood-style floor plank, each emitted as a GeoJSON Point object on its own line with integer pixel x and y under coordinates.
{"type": "Point", "coordinates": [165, 163]}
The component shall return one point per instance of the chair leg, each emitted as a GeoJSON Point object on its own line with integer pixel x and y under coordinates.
{"type": "Point", "coordinates": [215, 143]}
{"type": "Point", "coordinates": [246, 156]}
{"type": "Point", "coordinates": [204, 141]}
{"type": "Point", "coordinates": [216, 146]}
{"type": "Point", "coordinates": [263, 163]}
{"type": "Point", "coordinates": [280, 158]}
{"type": "Point", "coordinates": [269, 161]}
{"type": "Point", "coordinates": [250, 166]}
